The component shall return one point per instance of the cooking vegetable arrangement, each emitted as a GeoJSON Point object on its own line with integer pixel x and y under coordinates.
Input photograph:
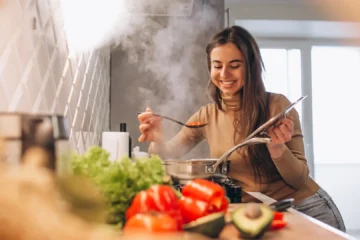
{"type": "Point", "coordinates": [140, 198]}
{"type": "Point", "coordinates": [201, 208]}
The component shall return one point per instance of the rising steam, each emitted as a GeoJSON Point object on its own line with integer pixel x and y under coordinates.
{"type": "Point", "coordinates": [168, 49]}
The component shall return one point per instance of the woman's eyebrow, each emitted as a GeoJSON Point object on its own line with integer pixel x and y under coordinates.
{"type": "Point", "coordinates": [232, 61]}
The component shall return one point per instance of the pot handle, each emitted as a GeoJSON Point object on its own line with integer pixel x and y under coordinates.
{"type": "Point", "coordinates": [224, 157]}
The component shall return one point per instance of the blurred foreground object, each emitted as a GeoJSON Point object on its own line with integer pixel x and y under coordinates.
{"type": "Point", "coordinates": [31, 208]}
{"type": "Point", "coordinates": [35, 204]}
{"type": "Point", "coordinates": [22, 131]}
{"type": "Point", "coordinates": [347, 10]}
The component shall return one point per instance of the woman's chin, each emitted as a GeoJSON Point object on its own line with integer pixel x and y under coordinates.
{"type": "Point", "coordinates": [228, 92]}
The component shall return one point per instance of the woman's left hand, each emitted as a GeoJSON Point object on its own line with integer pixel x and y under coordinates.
{"type": "Point", "coordinates": [281, 133]}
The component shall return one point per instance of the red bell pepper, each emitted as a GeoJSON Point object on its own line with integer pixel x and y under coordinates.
{"type": "Point", "coordinates": [158, 198]}
{"type": "Point", "coordinates": [150, 222]}
{"type": "Point", "coordinates": [166, 200]}
{"type": "Point", "coordinates": [224, 205]}
{"type": "Point", "coordinates": [204, 190]}
{"type": "Point", "coordinates": [277, 224]}
{"type": "Point", "coordinates": [192, 209]}
{"type": "Point", "coordinates": [164, 197]}
{"type": "Point", "coordinates": [142, 203]}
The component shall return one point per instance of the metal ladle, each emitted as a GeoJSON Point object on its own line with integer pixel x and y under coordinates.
{"type": "Point", "coordinates": [251, 139]}
{"type": "Point", "coordinates": [224, 157]}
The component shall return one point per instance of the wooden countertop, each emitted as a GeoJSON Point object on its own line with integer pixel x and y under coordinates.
{"type": "Point", "coordinates": [299, 226]}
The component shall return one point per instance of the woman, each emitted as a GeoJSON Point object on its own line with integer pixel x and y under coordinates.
{"type": "Point", "coordinates": [241, 104]}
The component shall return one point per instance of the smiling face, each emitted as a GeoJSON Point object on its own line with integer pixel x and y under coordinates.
{"type": "Point", "coordinates": [227, 68]}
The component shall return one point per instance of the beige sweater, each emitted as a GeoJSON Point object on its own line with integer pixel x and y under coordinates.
{"type": "Point", "coordinates": [219, 133]}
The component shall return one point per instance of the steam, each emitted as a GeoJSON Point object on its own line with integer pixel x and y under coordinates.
{"type": "Point", "coordinates": [87, 23]}
{"type": "Point", "coordinates": [169, 48]}
{"type": "Point", "coordinates": [171, 52]}
{"type": "Point", "coordinates": [93, 24]}
{"type": "Point", "coordinates": [175, 56]}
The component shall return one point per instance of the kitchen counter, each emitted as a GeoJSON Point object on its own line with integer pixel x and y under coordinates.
{"type": "Point", "coordinates": [300, 226]}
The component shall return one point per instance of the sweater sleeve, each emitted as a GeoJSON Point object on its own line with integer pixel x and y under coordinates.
{"type": "Point", "coordinates": [185, 140]}
{"type": "Point", "coordinates": [292, 164]}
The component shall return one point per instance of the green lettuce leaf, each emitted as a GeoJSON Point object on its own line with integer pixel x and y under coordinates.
{"type": "Point", "coordinates": [119, 181]}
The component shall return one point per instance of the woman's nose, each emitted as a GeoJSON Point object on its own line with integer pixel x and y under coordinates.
{"type": "Point", "coordinates": [224, 72]}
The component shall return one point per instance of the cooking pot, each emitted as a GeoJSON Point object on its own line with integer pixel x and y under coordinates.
{"type": "Point", "coordinates": [184, 170]}
{"type": "Point", "coordinates": [23, 131]}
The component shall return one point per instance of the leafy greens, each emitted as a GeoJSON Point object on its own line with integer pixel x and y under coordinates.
{"type": "Point", "coordinates": [120, 180]}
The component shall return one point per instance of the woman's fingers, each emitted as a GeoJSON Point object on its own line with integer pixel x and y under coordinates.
{"type": "Point", "coordinates": [145, 127]}
{"type": "Point", "coordinates": [144, 117]}
{"type": "Point", "coordinates": [283, 130]}
{"type": "Point", "coordinates": [150, 126]}
{"type": "Point", "coordinates": [289, 123]}
{"type": "Point", "coordinates": [279, 135]}
{"type": "Point", "coordinates": [142, 138]}
{"type": "Point", "coordinates": [287, 133]}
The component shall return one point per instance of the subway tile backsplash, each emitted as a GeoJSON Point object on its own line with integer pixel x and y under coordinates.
{"type": "Point", "coordinates": [39, 74]}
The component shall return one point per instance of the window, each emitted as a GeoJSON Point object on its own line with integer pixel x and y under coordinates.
{"type": "Point", "coordinates": [283, 72]}
{"type": "Point", "coordinates": [331, 78]}
{"type": "Point", "coordinates": [335, 100]}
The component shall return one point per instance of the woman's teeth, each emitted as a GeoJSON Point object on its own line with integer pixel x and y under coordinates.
{"type": "Point", "coordinates": [227, 82]}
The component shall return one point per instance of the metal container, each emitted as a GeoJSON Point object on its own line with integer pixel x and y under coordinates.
{"type": "Point", "coordinates": [182, 171]}
{"type": "Point", "coordinates": [21, 131]}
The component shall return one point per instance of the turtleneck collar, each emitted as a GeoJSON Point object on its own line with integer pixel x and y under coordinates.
{"type": "Point", "coordinates": [230, 103]}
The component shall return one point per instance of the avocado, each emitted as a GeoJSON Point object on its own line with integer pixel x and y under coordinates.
{"type": "Point", "coordinates": [252, 219]}
{"type": "Point", "coordinates": [210, 225]}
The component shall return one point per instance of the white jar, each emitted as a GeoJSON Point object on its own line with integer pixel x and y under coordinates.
{"type": "Point", "coordinates": [138, 154]}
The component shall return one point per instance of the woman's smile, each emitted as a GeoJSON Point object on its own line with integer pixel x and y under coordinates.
{"type": "Point", "coordinates": [227, 83]}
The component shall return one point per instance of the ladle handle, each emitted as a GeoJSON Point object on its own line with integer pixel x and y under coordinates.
{"type": "Point", "coordinates": [224, 157]}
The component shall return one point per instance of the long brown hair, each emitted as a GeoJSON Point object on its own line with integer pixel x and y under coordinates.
{"type": "Point", "coordinates": [253, 97]}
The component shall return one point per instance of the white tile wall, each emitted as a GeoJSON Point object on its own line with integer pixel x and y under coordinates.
{"type": "Point", "coordinates": [38, 74]}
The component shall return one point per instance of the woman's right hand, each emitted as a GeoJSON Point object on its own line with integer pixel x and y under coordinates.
{"type": "Point", "coordinates": [150, 127]}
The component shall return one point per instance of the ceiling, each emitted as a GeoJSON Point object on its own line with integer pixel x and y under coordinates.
{"type": "Point", "coordinates": [269, 1]}
{"type": "Point", "coordinates": [301, 29]}
{"type": "Point", "coordinates": [296, 18]}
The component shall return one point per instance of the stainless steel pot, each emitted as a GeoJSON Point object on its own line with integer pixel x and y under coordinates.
{"type": "Point", "coordinates": [184, 170]}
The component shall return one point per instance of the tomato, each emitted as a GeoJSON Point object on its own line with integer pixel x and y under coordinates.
{"type": "Point", "coordinates": [151, 222]}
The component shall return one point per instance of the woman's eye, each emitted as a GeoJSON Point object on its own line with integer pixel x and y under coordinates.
{"type": "Point", "coordinates": [235, 66]}
{"type": "Point", "coordinates": [218, 67]}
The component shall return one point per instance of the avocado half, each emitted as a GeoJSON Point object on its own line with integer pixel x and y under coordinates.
{"type": "Point", "coordinates": [210, 225]}
{"type": "Point", "coordinates": [252, 227]}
